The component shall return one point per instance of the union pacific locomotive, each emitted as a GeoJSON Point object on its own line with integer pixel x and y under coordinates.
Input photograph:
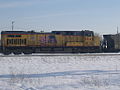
{"type": "Point", "coordinates": [28, 42]}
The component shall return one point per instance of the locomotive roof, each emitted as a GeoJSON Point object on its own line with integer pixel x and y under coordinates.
{"type": "Point", "coordinates": [54, 32]}
{"type": "Point", "coordinates": [87, 32]}
{"type": "Point", "coordinates": [22, 32]}
{"type": "Point", "coordinates": [74, 31]}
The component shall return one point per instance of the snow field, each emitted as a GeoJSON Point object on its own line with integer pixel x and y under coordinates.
{"type": "Point", "coordinates": [60, 73]}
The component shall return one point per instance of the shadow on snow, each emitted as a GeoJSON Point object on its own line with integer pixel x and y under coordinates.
{"type": "Point", "coordinates": [66, 73]}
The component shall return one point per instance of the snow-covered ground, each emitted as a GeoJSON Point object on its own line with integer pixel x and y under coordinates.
{"type": "Point", "coordinates": [67, 72]}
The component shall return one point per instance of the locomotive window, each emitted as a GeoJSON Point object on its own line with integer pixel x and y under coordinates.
{"type": "Point", "coordinates": [88, 34]}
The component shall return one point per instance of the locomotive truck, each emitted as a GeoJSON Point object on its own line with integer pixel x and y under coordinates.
{"type": "Point", "coordinates": [29, 42]}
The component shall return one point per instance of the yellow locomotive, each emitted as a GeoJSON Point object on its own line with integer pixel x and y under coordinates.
{"type": "Point", "coordinates": [28, 42]}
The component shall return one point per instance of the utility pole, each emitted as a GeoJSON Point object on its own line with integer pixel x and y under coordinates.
{"type": "Point", "coordinates": [118, 36]}
{"type": "Point", "coordinates": [12, 25]}
{"type": "Point", "coordinates": [117, 30]}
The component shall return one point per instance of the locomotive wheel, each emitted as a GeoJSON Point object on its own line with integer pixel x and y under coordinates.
{"type": "Point", "coordinates": [27, 52]}
{"type": "Point", "coordinates": [17, 53]}
{"type": "Point", "coordinates": [6, 53]}
{"type": "Point", "coordinates": [75, 50]}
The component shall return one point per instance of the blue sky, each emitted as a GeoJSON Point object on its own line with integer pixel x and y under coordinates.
{"type": "Point", "coordinates": [101, 16]}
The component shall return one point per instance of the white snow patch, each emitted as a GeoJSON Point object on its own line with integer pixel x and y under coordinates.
{"type": "Point", "coordinates": [60, 72]}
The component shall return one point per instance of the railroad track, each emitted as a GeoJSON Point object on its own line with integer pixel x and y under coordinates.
{"type": "Point", "coordinates": [63, 54]}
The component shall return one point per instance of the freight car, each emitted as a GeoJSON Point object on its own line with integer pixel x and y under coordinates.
{"type": "Point", "coordinates": [111, 43]}
{"type": "Point", "coordinates": [0, 47]}
{"type": "Point", "coordinates": [28, 42]}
